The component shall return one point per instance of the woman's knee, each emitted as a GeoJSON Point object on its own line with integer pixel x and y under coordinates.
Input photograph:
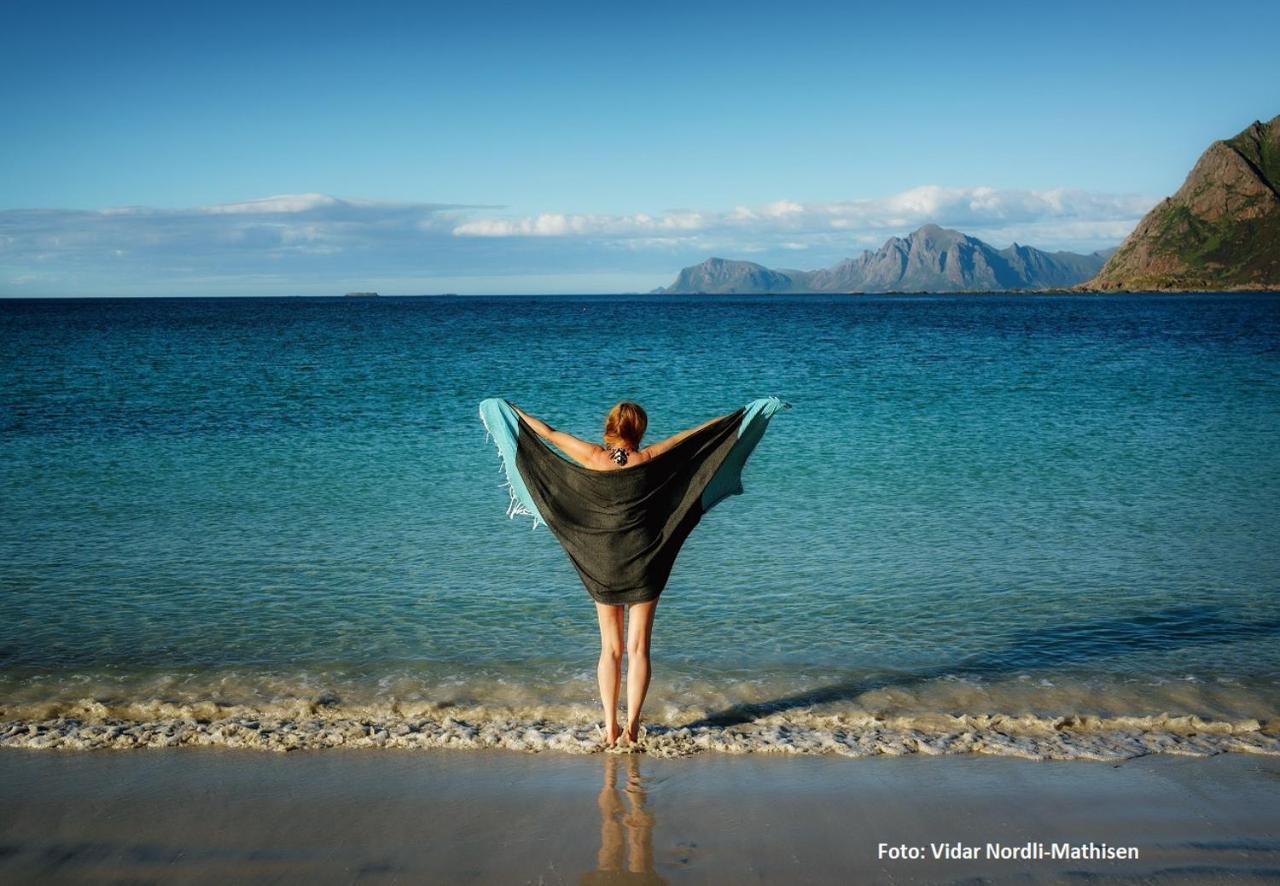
{"type": "Point", "coordinates": [640, 629]}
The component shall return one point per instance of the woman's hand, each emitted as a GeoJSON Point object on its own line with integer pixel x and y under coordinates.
{"type": "Point", "coordinates": [540, 427]}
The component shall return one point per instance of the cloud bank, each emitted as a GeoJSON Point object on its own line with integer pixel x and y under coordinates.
{"type": "Point", "coordinates": [319, 244]}
{"type": "Point", "coordinates": [1056, 219]}
{"type": "Point", "coordinates": [971, 209]}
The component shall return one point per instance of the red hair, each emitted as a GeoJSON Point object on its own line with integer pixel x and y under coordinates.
{"type": "Point", "coordinates": [625, 423]}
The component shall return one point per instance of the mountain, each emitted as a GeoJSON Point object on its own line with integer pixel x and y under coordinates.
{"type": "Point", "coordinates": [1221, 230]}
{"type": "Point", "coordinates": [725, 275]}
{"type": "Point", "coordinates": [932, 259]}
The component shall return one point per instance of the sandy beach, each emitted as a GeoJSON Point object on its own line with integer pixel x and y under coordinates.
{"type": "Point", "coordinates": [211, 815]}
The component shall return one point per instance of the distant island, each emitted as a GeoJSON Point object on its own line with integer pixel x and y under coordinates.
{"type": "Point", "coordinates": [360, 295]}
{"type": "Point", "coordinates": [930, 259]}
{"type": "Point", "coordinates": [1221, 230]}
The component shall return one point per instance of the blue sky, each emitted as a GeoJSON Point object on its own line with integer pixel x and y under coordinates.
{"type": "Point", "coordinates": [280, 148]}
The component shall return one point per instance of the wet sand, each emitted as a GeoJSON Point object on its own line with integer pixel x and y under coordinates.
{"type": "Point", "coordinates": [213, 815]}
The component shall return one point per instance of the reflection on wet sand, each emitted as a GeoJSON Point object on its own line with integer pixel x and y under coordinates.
{"type": "Point", "coordinates": [626, 828]}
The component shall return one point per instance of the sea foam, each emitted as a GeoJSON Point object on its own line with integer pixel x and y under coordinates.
{"type": "Point", "coordinates": [314, 725]}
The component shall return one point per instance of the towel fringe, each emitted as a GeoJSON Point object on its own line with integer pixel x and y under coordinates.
{"type": "Point", "coordinates": [515, 508]}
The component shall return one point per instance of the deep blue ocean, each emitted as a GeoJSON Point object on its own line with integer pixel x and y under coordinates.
{"type": "Point", "coordinates": [1043, 508]}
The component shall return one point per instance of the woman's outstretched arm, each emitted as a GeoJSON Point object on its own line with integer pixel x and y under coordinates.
{"type": "Point", "coordinates": [579, 450]}
{"type": "Point", "coordinates": [663, 445]}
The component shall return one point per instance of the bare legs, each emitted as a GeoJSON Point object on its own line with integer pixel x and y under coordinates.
{"type": "Point", "coordinates": [638, 630]}
{"type": "Point", "coordinates": [609, 670]}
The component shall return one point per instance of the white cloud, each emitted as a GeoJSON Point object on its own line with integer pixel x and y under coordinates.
{"type": "Point", "coordinates": [283, 203]}
{"type": "Point", "coordinates": [559, 225]}
{"type": "Point", "coordinates": [301, 223]}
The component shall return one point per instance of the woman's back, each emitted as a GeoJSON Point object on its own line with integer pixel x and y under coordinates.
{"type": "Point", "coordinates": [606, 460]}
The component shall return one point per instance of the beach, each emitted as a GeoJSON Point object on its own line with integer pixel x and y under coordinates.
{"type": "Point", "coordinates": [399, 400]}
{"type": "Point", "coordinates": [216, 815]}
{"type": "Point", "coordinates": [1003, 576]}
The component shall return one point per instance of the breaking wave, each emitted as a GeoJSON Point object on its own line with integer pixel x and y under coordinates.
{"type": "Point", "coordinates": [869, 727]}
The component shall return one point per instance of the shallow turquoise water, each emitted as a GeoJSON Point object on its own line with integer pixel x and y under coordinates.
{"type": "Point", "coordinates": [1071, 493]}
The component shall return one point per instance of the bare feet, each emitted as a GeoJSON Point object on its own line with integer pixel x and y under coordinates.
{"type": "Point", "coordinates": [633, 733]}
{"type": "Point", "coordinates": [611, 735]}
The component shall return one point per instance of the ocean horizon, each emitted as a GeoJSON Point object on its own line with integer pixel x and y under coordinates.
{"type": "Point", "coordinates": [1033, 524]}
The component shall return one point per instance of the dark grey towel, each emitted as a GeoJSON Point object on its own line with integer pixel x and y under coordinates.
{"type": "Point", "coordinates": [622, 529]}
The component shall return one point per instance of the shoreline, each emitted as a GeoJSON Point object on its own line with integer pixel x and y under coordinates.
{"type": "Point", "coordinates": [208, 815]}
{"type": "Point", "coordinates": [314, 727]}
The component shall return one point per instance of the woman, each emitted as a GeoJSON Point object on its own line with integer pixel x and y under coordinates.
{"type": "Point", "coordinates": [623, 428]}
{"type": "Point", "coordinates": [622, 514]}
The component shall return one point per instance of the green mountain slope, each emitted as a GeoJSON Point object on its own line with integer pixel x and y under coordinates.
{"type": "Point", "coordinates": [1221, 230]}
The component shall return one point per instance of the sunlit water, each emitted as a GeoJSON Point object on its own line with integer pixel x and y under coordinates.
{"type": "Point", "coordinates": [1055, 511]}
